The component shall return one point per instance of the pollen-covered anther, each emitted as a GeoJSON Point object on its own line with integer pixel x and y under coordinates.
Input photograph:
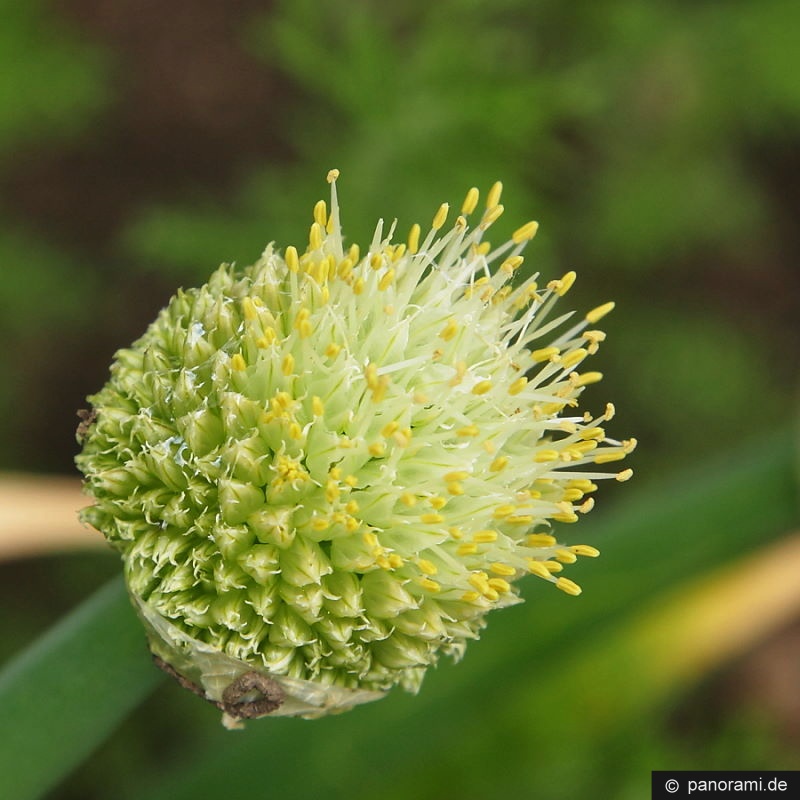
{"type": "Point", "coordinates": [585, 550]}
{"type": "Point", "coordinates": [596, 314]}
{"type": "Point", "coordinates": [440, 217]}
{"type": "Point", "coordinates": [568, 586]}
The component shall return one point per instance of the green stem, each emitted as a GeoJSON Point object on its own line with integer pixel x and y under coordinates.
{"type": "Point", "coordinates": [65, 694]}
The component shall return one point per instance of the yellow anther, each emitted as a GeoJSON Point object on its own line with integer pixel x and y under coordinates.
{"type": "Point", "coordinates": [538, 568]}
{"type": "Point", "coordinates": [377, 449]}
{"type": "Point", "coordinates": [449, 330]}
{"type": "Point", "coordinates": [301, 323]}
{"type": "Point", "coordinates": [315, 236]}
{"type": "Point", "coordinates": [398, 252]}
{"type": "Point", "coordinates": [379, 392]}
{"type": "Point", "coordinates": [572, 494]}
{"type": "Point", "coordinates": [295, 431]}
{"type": "Point", "coordinates": [540, 540]}
{"type": "Point", "coordinates": [333, 175]}
{"type": "Point", "coordinates": [467, 549]}
{"type": "Point", "coordinates": [395, 561]}
{"type": "Point", "coordinates": [625, 475]}
{"type": "Point", "coordinates": [431, 518]}
{"type": "Point", "coordinates": [352, 524]}
{"type": "Point", "coordinates": [376, 261]}
{"type": "Point", "coordinates": [518, 385]}
{"type": "Point", "coordinates": [455, 488]}
{"type": "Point", "coordinates": [461, 222]}
{"type": "Point", "coordinates": [573, 357]}
{"type": "Point", "coordinates": [320, 524]}
{"type": "Point", "coordinates": [568, 586]}
{"type": "Point", "coordinates": [610, 411]}
{"type": "Point", "coordinates": [413, 238]}
{"type": "Point", "coordinates": [238, 362]}
{"type": "Point", "coordinates": [498, 464]}
{"type": "Point", "coordinates": [370, 539]}
{"type": "Point", "coordinates": [489, 446]}
{"type": "Point", "coordinates": [482, 387]}
{"type": "Point", "coordinates": [545, 354]}
{"type": "Point", "coordinates": [441, 216]}
{"type": "Point", "coordinates": [502, 569]}
{"type": "Point", "coordinates": [491, 216]}
{"type": "Point", "coordinates": [383, 562]}
{"type": "Point", "coordinates": [586, 378]}
{"type": "Point", "coordinates": [520, 519]}
{"type": "Point", "coordinates": [455, 532]}
{"type": "Point", "coordinates": [596, 434]}
{"type": "Point", "coordinates": [594, 336]}
{"type": "Point", "coordinates": [480, 580]}
{"type": "Point", "coordinates": [332, 491]}
{"type": "Point", "coordinates": [470, 201]}
{"type": "Point", "coordinates": [437, 502]}
{"type": "Point", "coordinates": [386, 281]}
{"type": "Point", "coordinates": [525, 233]}
{"type": "Point", "coordinates": [428, 567]}
{"type": "Point", "coordinates": [408, 499]}
{"type": "Point", "coordinates": [566, 516]}
{"type": "Point", "coordinates": [401, 438]}
{"type": "Point", "coordinates": [581, 448]}
{"type": "Point", "coordinates": [317, 406]}
{"type": "Point", "coordinates": [499, 585]}
{"type": "Point", "coordinates": [358, 286]}
{"type": "Point", "coordinates": [511, 264]}
{"type": "Point", "coordinates": [553, 566]}
{"type": "Point", "coordinates": [287, 365]}
{"type": "Point", "coordinates": [543, 456]}
{"type": "Point", "coordinates": [345, 268]}
{"type": "Point", "coordinates": [389, 428]}
{"type": "Point", "coordinates": [468, 430]}
{"type": "Point", "coordinates": [585, 550]}
{"type": "Point", "coordinates": [458, 475]}
{"type": "Point", "coordinates": [351, 481]}
{"type": "Point", "coordinates": [596, 314]}
{"type": "Point", "coordinates": [565, 284]}
{"type": "Point", "coordinates": [267, 339]}
{"type": "Point", "coordinates": [629, 445]}
{"type": "Point", "coordinates": [565, 556]}
{"type": "Point", "coordinates": [485, 537]}
{"type": "Point", "coordinates": [335, 473]}
{"type": "Point", "coordinates": [332, 350]}
{"type": "Point", "coordinates": [470, 597]}
{"type": "Point", "coordinates": [493, 198]}
{"type": "Point", "coordinates": [483, 248]}
{"type": "Point", "coordinates": [491, 594]}
{"type": "Point", "coordinates": [320, 213]}
{"type": "Point", "coordinates": [248, 309]}
{"type": "Point", "coordinates": [292, 260]}
{"type": "Point", "coordinates": [607, 456]}
{"type": "Point", "coordinates": [351, 507]}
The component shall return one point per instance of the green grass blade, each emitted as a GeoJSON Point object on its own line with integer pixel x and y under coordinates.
{"type": "Point", "coordinates": [64, 695]}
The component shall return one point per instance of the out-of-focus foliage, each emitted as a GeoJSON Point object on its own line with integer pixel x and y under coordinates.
{"type": "Point", "coordinates": [655, 142]}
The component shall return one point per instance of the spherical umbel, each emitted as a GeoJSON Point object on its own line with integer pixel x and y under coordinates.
{"type": "Point", "coordinates": [322, 471]}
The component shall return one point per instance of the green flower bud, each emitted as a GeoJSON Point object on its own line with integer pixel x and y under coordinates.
{"type": "Point", "coordinates": [322, 471]}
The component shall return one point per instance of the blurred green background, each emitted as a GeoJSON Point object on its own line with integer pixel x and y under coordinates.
{"type": "Point", "coordinates": [142, 143]}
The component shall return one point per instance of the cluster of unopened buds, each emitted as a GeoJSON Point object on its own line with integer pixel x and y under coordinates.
{"type": "Point", "coordinates": [323, 470]}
